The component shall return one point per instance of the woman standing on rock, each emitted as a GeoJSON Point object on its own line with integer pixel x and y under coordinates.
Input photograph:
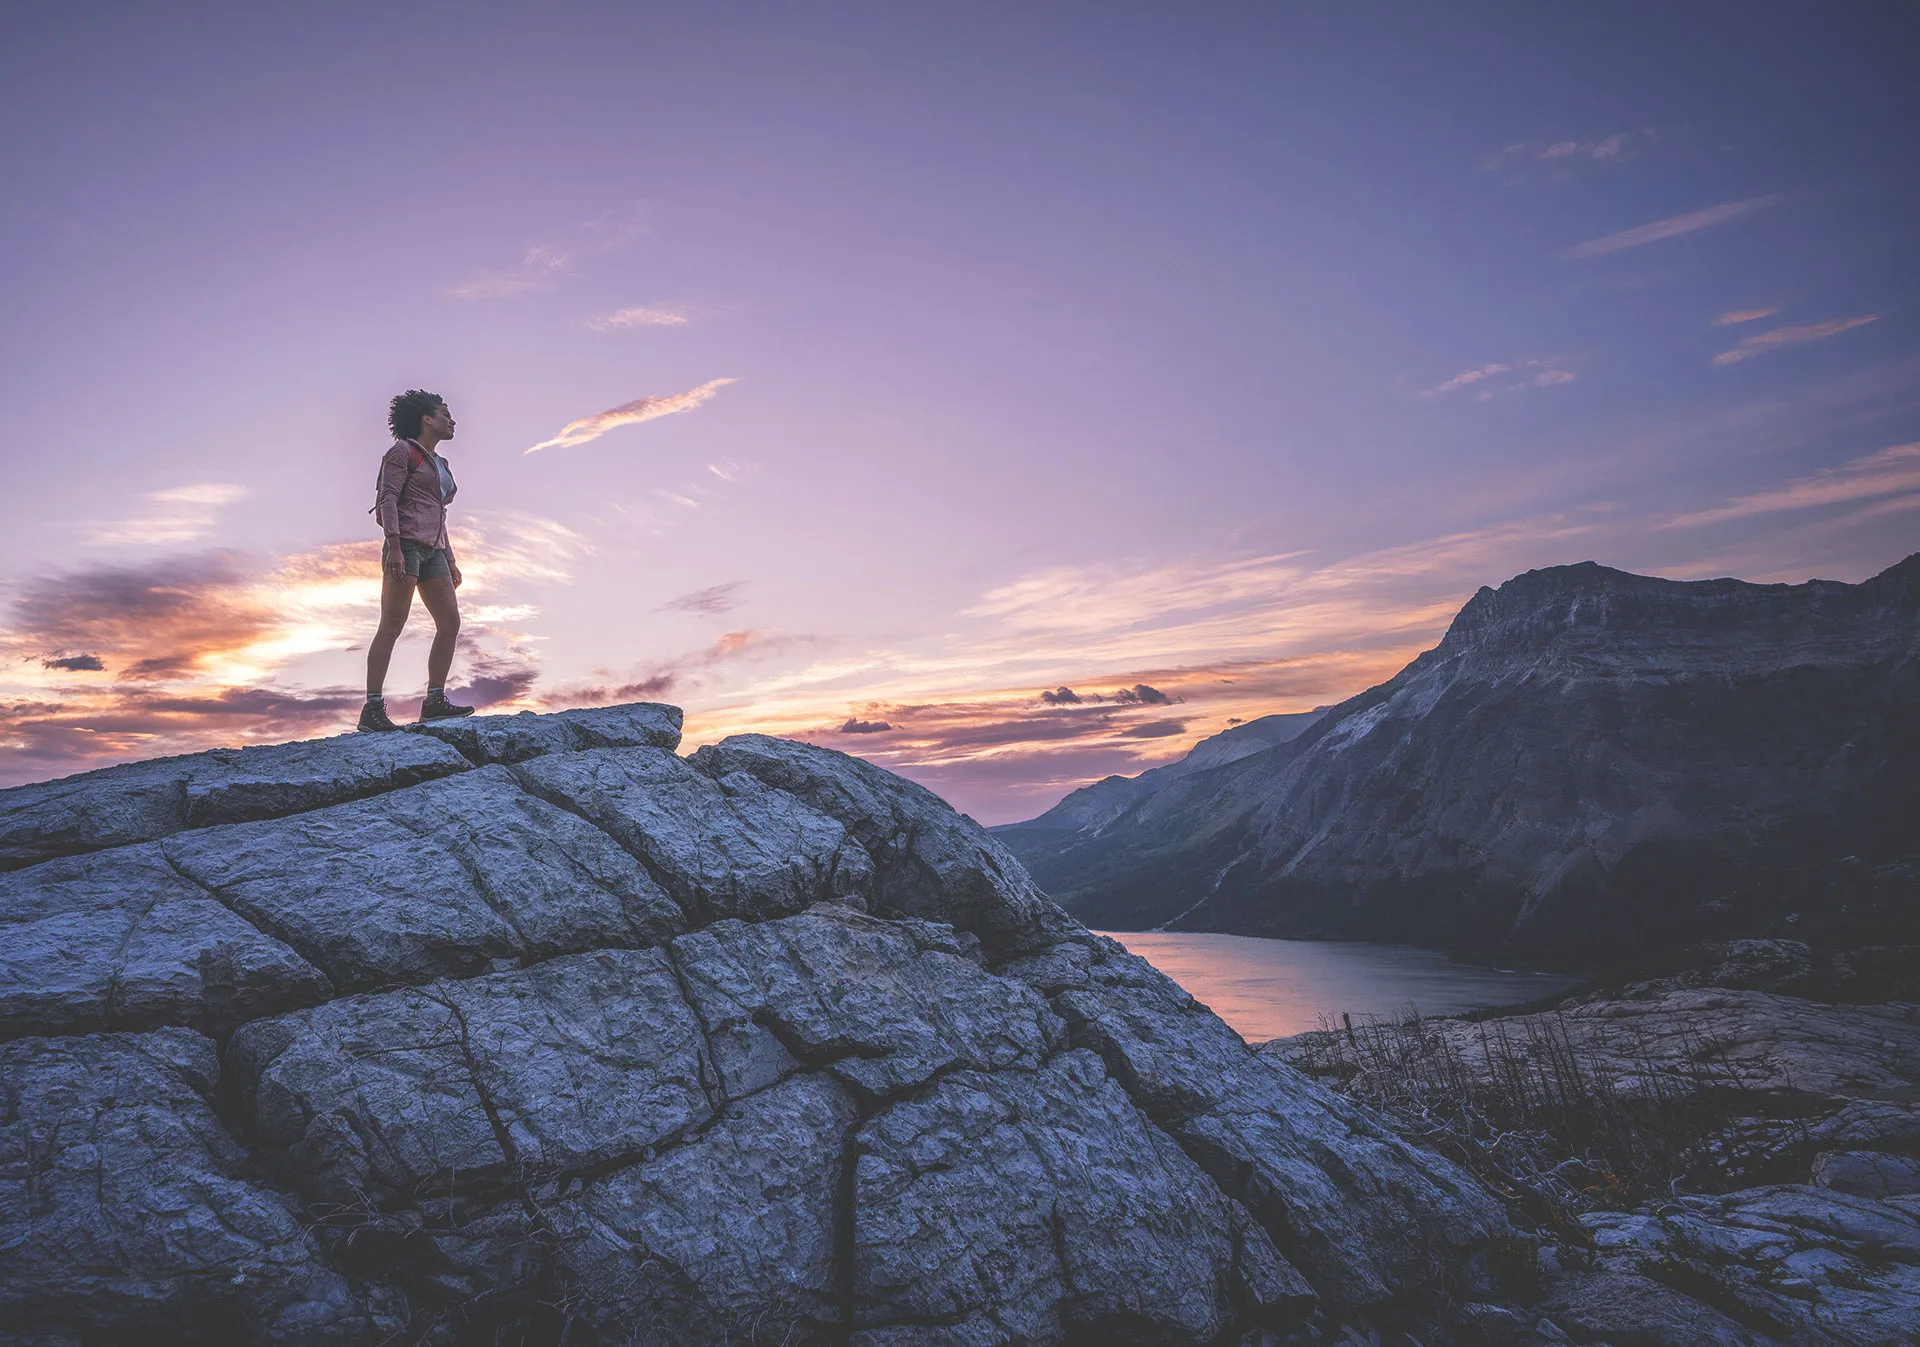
{"type": "Point", "coordinates": [411, 503]}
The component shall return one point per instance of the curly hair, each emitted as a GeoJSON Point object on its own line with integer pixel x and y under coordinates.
{"type": "Point", "coordinates": [409, 409]}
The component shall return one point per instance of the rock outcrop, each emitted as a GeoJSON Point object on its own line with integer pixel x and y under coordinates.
{"type": "Point", "coordinates": [1799, 1218]}
{"type": "Point", "coordinates": [527, 1029]}
{"type": "Point", "coordinates": [1589, 766]}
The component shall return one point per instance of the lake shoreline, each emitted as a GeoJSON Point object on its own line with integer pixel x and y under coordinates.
{"type": "Point", "coordinates": [1271, 988]}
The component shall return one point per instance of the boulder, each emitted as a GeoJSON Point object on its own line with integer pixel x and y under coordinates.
{"type": "Point", "coordinates": [125, 1201]}
{"type": "Point", "coordinates": [1043, 1205]}
{"type": "Point", "coordinates": [1364, 1214]}
{"type": "Point", "coordinates": [1867, 1173]}
{"type": "Point", "coordinates": [929, 861]}
{"type": "Point", "coordinates": [725, 847]}
{"type": "Point", "coordinates": [1783, 1263]}
{"type": "Point", "coordinates": [439, 880]}
{"type": "Point", "coordinates": [575, 1062]}
{"type": "Point", "coordinates": [516, 738]}
{"type": "Point", "coordinates": [565, 1037]}
{"type": "Point", "coordinates": [141, 801]}
{"type": "Point", "coordinates": [122, 939]}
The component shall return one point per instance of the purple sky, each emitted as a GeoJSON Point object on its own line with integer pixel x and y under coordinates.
{"type": "Point", "coordinates": [1201, 359]}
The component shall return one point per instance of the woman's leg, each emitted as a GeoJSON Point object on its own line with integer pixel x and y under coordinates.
{"type": "Point", "coordinates": [396, 598]}
{"type": "Point", "coordinates": [440, 601]}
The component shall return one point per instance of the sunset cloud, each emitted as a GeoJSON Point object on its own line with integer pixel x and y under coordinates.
{"type": "Point", "coordinates": [1155, 729]}
{"type": "Point", "coordinates": [1021, 700]}
{"type": "Point", "coordinates": [1738, 316]}
{"type": "Point", "coordinates": [1894, 471]}
{"type": "Point", "coordinates": [636, 317]}
{"type": "Point", "coordinates": [678, 674]}
{"type": "Point", "coordinates": [187, 651]}
{"type": "Point", "coordinates": [1762, 342]}
{"type": "Point", "coordinates": [631, 414]}
{"type": "Point", "coordinates": [181, 514]}
{"type": "Point", "coordinates": [1672, 227]}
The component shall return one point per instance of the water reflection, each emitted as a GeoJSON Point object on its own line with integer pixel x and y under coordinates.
{"type": "Point", "coordinates": [1272, 988]}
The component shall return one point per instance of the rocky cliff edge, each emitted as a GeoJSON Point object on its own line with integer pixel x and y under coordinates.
{"type": "Point", "coordinates": [527, 1029]}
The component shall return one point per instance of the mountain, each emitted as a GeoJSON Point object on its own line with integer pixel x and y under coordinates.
{"type": "Point", "coordinates": [1591, 765]}
{"type": "Point", "coordinates": [1086, 812]}
{"type": "Point", "coordinates": [527, 1029]}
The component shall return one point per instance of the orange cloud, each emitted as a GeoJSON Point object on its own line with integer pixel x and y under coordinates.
{"type": "Point", "coordinates": [185, 652]}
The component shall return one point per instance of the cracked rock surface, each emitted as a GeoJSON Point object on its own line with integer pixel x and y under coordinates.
{"type": "Point", "coordinates": [525, 1029]}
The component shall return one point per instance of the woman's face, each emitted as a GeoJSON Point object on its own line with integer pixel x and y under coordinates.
{"type": "Point", "coordinates": [439, 421]}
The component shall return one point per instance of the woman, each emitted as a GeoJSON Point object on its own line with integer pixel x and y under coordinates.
{"type": "Point", "coordinates": [411, 503]}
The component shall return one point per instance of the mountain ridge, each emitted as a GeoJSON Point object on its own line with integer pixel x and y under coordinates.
{"type": "Point", "coordinates": [1088, 809]}
{"type": "Point", "coordinates": [1587, 761]}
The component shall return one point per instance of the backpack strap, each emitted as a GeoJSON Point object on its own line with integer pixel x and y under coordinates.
{"type": "Point", "coordinates": [414, 460]}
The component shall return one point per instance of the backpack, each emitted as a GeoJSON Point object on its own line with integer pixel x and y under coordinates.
{"type": "Point", "coordinates": [414, 460]}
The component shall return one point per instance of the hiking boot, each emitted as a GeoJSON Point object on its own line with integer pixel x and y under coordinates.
{"type": "Point", "coordinates": [373, 716]}
{"type": "Point", "coordinates": [437, 707]}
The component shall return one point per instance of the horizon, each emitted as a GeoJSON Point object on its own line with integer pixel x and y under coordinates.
{"type": "Point", "coordinates": [879, 380]}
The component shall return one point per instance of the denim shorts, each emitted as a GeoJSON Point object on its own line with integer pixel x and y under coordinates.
{"type": "Point", "coordinates": [423, 562]}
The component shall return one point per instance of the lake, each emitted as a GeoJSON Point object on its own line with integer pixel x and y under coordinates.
{"type": "Point", "coordinates": [1273, 988]}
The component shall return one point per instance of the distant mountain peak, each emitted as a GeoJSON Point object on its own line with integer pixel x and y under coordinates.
{"type": "Point", "coordinates": [1590, 760]}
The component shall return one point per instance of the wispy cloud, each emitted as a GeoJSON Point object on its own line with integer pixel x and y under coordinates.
{"type": "Point", "coordinates": [181, 514]}
{"type": "Point", "coordinates": [1466, 378]}
{"type": "Point", "coordinates": [510, 545]}
{"type": "Point", "coordinates": [542, 268]}
{"type": "Point", "coordinates": [631, 414]}
{"type": "Point", "coordinates": [1562, 158]}
{"type": "Point", "coordinates": [1735, 317]}
{"type": "Point", "coordinates": [1892, 471]}
{"type": "Point", "coordinates": [1762, 342]}
{"type": "Point", "coordinates": [1673, 226]}
{"type": "Point", "coordinates": [709, 602]}
{"type": "Point", "coordinates": [636, 317]}
{"type": "Point", "coordinates": [1545, 374]}
{"type": "Point", "coordinates": [678, 674]}
{"type": "Point", "coordinates": [546, 266]}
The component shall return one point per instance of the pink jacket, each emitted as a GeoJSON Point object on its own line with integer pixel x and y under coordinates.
{"type": "Point", "coordinates": [407, 500]}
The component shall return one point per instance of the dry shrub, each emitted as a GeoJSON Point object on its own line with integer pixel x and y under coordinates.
{"type": "Point", "coordinates": [1539, 1119]}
